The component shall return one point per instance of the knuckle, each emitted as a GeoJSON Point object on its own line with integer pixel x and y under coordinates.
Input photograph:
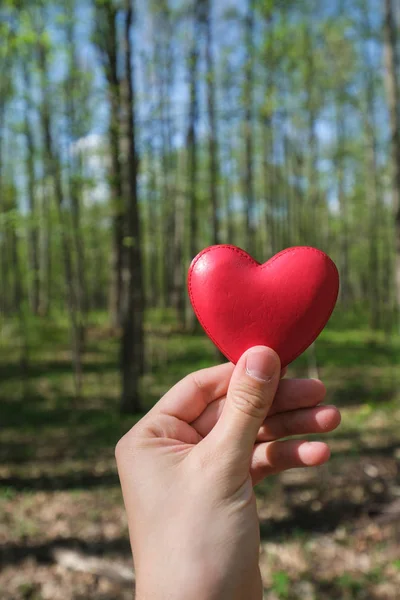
{"type": "Point", "coordinates": [197, 381]}
{"type": "Point", "coordinates": [249, 400]}
{"type": "Point", "coordinates": [126, 445]}
{"type": "Point", "coordinates": [120, 449]}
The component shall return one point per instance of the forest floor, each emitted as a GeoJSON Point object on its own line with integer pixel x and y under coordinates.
{"type": "Point", "coordinates": [330, 532]}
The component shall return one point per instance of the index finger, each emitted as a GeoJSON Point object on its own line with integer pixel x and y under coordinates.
{"type": "Point", "coordinates": [190, 397]}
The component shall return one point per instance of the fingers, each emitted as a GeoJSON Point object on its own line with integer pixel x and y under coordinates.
{"type": "Point", "coordinates": [250, 394]}
{"type": "Point", "coordinates": [297, 393]}
{"type": "Point", "coordinates": [298, 422]}
{"type": "Point", "coordinates": [273, 457]}
{"type": "Point", "coordinates": [292, 394]}
{"type": "Point", "coordinates": [189, 397]}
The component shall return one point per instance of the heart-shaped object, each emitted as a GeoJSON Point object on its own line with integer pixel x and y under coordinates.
{"type": "Point", "coordinates": [284, 303]}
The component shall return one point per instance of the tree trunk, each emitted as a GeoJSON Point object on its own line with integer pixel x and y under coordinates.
{"type": "Point", "coordinates": [132, 342]}
{"type": "Point", "coordinates": [311, 212]}
{"type": "Point", "coordinates": [53, 170]}
{"type": "Point", "coordinates": [72, 84]}
{"type": "Point", "coordinates": [107, 41]}
{"type": "Point", "coordinates": [372, 177]}
{"type": "Point", "coordinates": [343, 207]}
{"type": "Point", "coordinates": [33, 238]}
{"type": "Point", "coordinates": [191, 143]}
{"type": "Point", "coordinates": [269, 186]}
{"type": "Point", "coordinates": [248, 129]}
{"type": "Point", "coordinates": [18, 300]}
{"type": "Point", "coordinates": [192, 137]}
{"type": "Point", "coordinates": [212, 123]}
{"type": "Point", "coordinates": [45, 260]}
{"type": "Point", "coordinates": [392, 87]}
{"type": "Point", "coordinates": [3, 247]}
{"type": "Point", "coordinates": [178, 295]}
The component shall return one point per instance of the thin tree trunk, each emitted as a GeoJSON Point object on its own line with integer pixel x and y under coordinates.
{"type": "Point", "coordinates": [18, 300]}
{"type": "Point", "coordinates": [343, 207]}
{"type": "Point", "coordinates": [212, 124]}
{"type": "Point", "coordinates": [152, 227]}
{"type": "Point", "coordinates": [45, 260]}
{"type": "Point", "coordinates": [248, 128]}
{"type": "Point", "coordinates": [372, 177]}
{"type": "Point", "coordinates": [132, 342]}
{"type": "Point", "coordinates": [392, 87]}
{"type": "Point", "coordinates": [311, 214]}
{"type": "Point", "coordinates": [53, 169]}
{"type": "Point", "coordinates": [75, 188]}
{"type": "Point", "coordinates": [178, 297]}
{"type": "Point", "coordinates": [167, 199]}
{"type": "Point", "coordinates": [192, 138]}
{"type": "Point", "coordinates": [228, 192]}
{"type": "Point", "coordinates": [269, 187]}
{"type": "Point", "coordinates": [3, 247]}
{"type": "Point", "coordinates": [107, 42]}
{"type": "Point", "coordinates": [192, 151]}
{"type": "Point", "coordinates": [33, 237]}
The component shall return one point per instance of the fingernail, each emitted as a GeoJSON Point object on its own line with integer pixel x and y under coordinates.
{"type": "Point", "coordinates": [262, 363]}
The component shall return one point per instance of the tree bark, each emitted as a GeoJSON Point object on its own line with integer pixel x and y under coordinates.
{"type": "Point", "coordinates": [192, 135]}
{"type": "Point", "coordinates": [343, 207]}
{"type": "Point", "coordinates": [372, 177]}
{"type": "Point", "coordinates": [75, 186]}
{"type": "Point", "coordinates": [132, 342]}
{"type": "Point", "coordinates": [3, 246]}
{"type": "Point", "coordinates": [392, 89]}
{"type": "Point", "coordinates": [53, 170]}
{"type": "Point", "coordinates": [107, 42]}
{"type": "Point", "coordinates": [33, 238]}
{"type": "Point", "coordinates": [212, 124]}
{"type": "Point", "coordinates": [191, 143]}
{"type": "Point", "coordinates": [248, 128]}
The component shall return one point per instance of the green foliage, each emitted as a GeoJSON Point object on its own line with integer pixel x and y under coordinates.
{"type": "Point", "coordinates": [281, 584]}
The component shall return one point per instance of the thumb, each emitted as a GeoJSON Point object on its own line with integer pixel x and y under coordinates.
{"type": "Point", "coordinates": [250, 394]}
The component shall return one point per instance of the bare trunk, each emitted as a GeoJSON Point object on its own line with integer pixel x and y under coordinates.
{"type": "Point", "coordinates": [75, 188]}
{"type": "Point", "coordinates": [107, 42]}
{"type": "Point", "coordinates": [178, 296]}
{"type": "Point", "coordinates": [132, 342]}
{"type": "Point", "coordinates": [392, 87]}
{"type": "Point", "coordinates": [33, 229]}
{"type": "Point", "coordinates": [3, 247]}
{"type": "Point", "coordinates": [191, 142]}
{"type": "Point", "coordinates": [53, 170]}
{"type": "Point", "coordinates": [248, 129]}
{"type": "Point", "coordinates": [18, 300]}
{"type": "Point", "coordinates": [311, 213]}
{"type": "Point", "coordinates": [269, 188]}
{"type": "Point", "coordinates": [45, 262]}
{"type": "Point", "coordinates": [212, 124]}
{"type": "Point", "coordinates": [343, 207]}
{"type": "Point", "coordinates": [372, 177]}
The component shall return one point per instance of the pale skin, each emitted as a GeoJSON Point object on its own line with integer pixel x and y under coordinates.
{"type": "Point", "coordinates": [188, 468]}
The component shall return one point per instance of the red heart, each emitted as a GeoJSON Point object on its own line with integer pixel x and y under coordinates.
{"type": "Point", "coordinates": [284, 303]}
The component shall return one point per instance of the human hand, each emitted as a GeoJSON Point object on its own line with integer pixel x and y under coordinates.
{"type": "Point", "coordinates": [187, 471]}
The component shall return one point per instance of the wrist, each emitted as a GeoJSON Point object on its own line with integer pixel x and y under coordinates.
{"type": "Point", "coordinates": [173, 584]}
{"type": "Point", "coordinates": [194, 583]}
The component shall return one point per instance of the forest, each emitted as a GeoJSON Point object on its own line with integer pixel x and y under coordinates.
{"type": "Point", "coordinates": [133, 134]}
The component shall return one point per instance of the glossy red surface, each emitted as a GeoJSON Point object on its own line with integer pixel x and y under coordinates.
{"type": "Point", "coordinates": [284, 303]}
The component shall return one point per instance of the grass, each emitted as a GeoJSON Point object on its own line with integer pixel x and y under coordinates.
{"type": "Point", "coordinates": [321, 533]}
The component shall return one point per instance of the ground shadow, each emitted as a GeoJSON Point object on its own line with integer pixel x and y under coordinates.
{"type": "Point", "coordinates": [14, 553]}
